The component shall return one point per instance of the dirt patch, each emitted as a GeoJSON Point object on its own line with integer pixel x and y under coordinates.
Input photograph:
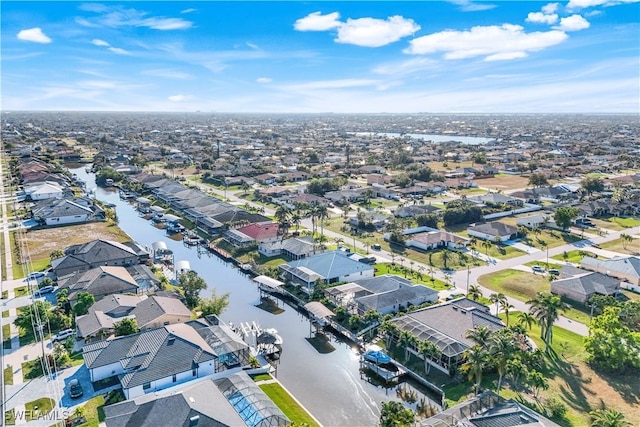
{"type": "Point", "coordinates": [508, 182]}
{"type": "Point", "coordinates": [41, 243]}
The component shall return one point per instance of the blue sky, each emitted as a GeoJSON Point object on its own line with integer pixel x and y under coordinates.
{"type": "Point", "coordinates": [373, 56]}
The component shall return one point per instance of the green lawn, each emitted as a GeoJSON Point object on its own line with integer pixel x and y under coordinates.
{"type": "Point", "coordinates": [5, 313]}
{"type": "Point", "coordinates": [574, 256]}
{"type": "Point", "coordinates": [6, 334]}
{"type": "Point", "coordinates": [93, 412]}
{"type": "Point", "coordinates": [422, 278]}
{"type": "Point", "coordinates": [8, 375]}
{"type": "Point", "coordinates": [5, 294]}
{"type": "Point", "coordinates": [549, 238]}
{"type": "Point", "coordinates": [616, 223]}
{"type": "Point", "coordinates": [525, 286]}
{"type": "Point", "coordinates": [261, 377]}
{"type": "Point", "coordinates": [287, 404]}
{"type": "Point", "coordinates": [10, 417]}
{"type": "Point", "coordinates": [502, 252]}
{"type": "Point", "coordinates": [32, 369]}
{"type": "Point", "coordinates": [41, 406]}
{"type": "Point", "coordinates": [618, 245]}
{"type": "Point", "coordinates": [21, 291]}
{"type": "Point", "coordinates": [19, 270]}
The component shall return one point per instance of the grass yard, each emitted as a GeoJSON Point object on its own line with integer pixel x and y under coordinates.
{"type": "Point", "coordinates": [549, 238]}
{"type": "Point", "coordinates": [21, 291]}
{"type": "Point", "coordinates": [6, 334]}
{"type": "Point", "coordinates": [577, 385]}
{"type": "Point", "coordinates": [32, 369]}
{"type": "Point", "coordinates": [20, 270]}
{"type": "Point", "coordinates": [38, 407]}
{"type": "Point", "coordinates": [525, 286]}
{"type": "Point", "coordinates": [261, 377]}
{"type": "Point", "coordinates": [40, 243]}
{"type": "Point", "coordinates": [504, 252]}
{"type": "Point", "coordinates": [628, 248]}
{"type": "Point", "coordinates": [616, 223]}
{"type": "Point", "coordinates": [93, 412]}
{"type": "Point", "coordinates": [8, 375]}
{"type": "Point", "coordinates": [5, 313]}
{"type": "Point", "coordinates": [574, 256]}
{"type": "Point", "coordinates": [422, 278]}
{"type": "Point", "coordinates": [287, 404]}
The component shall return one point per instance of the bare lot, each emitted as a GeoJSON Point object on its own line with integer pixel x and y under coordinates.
{"type": "Point", "coordinates": [41, 243]}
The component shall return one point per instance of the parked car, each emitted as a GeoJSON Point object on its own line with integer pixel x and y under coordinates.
{"type": "Point", "coordinates": [35, 275]}
{"type": "Point", "coordinates": [554, 271]}
{"type": "Point", "coordinates": [63, 335]}
{"type": "Point", "coordinates": [376, 247]}
{"type": "Point", "coordinates": [43, 290]}
{"type": "Point", "coordinates": [538, 268]}
{"type": "Point", "coordinates": [454, 296]}
{"type": "Point", "coordinates": [75, 389]}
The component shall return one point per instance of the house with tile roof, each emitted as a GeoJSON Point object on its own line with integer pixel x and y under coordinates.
{"type": "Point", "coordinates": [492, 230]}
{"type": "Point", "coordinates": [579, 285]}
{"type": "Point", "coordinates": [262, 232]}
{"type": "Point", "coordinates": [66, 211]}
{"type": "Point", "coordinates": [293, 248]}
{"type": "Point", "coordinates": [159, 358]}
{"type": "Point", "coordinates": [234, 400]}
{"type": "Point", "coordinates": [83, 257]}
{"type": "Point", "coordinates": [626, 268]}
{"type": "Point", "coordinates": [446, 326]}
{"type": "Point", "coordinates": [99, 282]}
{"type": "Point", "coordinates": [329, 267]}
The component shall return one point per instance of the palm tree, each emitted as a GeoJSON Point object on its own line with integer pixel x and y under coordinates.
{"type": "Point", "coordinates": [517, 371]}
{"type": "Point", "coordinates": [428, 350]}
{"type": "Point", "coordinates": [479, 335]}
{"type": "Point", "coordinates": [546, 308]}
{"type": "Point", "coordinates": [506, 306]}
{"type": "Point", "coordinates": [486, 245]}
{"type": "Point", "coordinates": [431, 272]}
{"type": "Point", "coordinates": [608, 418]}
{"type": "Point", "coordinates": [497, 299]}
{"type": "Point", "coordinates": [405, 340]}
{"type": "Point", "coordinates": [389, 330]}
{"type": "Point", "coordinates": [501, 348]}
{"type": "Point", "coordinates": [526, 319]}
{"type": "Point", "coordinates": [476, 360]}
{"type": "Point", "coordinates": [296, 219]}
{"type": "Point", "coordinates": [322, 213]}
{"type": "Point", "coordinates": [626, 238]}
{"type": "Point", "coordinates": [446, 257]}
{"type": "Point", "coordinates": [474, 292]}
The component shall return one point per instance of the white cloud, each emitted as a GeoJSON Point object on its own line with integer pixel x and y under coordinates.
{"type": "Point", "coordinates": [582, 4]}
{"type": "Point", "coordinates": [542, 18]}
{"type": "Point", "coordinates": [316, 21]}
{"type": "Point", "coordinates": [34, 35]}
{"type": "Point", "coordinates": [98, 42]}
{"type": "Point", "coordinates": [550, 8]}
{"type": "Point", "coordinates": [119, 50]}
{"type": "Point", "coordinates": [169, 74]}
{"type": "Point", "coordinates": [330, 84]}
{"type": "Point", "coordinates": [190, 10]}
{"type": "Point", "coordinates": [165, 24]}
{"type": "Point", "coordinates": [264, 80]}
{"type": "Point", "coordinates": [506, 41]}
{"type": "Point", "coordinates": [469, 6]}
{"type": "Point", "coordinates": [178, 98]}
{"type": "Point", "coordinates": [371, 32]}
{"type": "Point", "coordinates": [118, 16]}
{"type": "Point", "coordinates": [253, 45]}
{"type": "Point", "coordinates": [400, 68]}
{"type": "Point", "coordinates": [572, 23]}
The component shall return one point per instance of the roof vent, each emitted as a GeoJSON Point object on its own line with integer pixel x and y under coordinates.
{"type": "Point", "coordinates": [171, 340]}
{"type": "Point", "coordinates": [193, 421]}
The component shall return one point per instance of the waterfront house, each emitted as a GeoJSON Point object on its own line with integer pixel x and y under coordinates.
{"type": "Point", "coordinates": [293, 248]}
{"type": "Point", "coordinates": [85, 256]}
{"type": "Point", "coordinates": [446, 326]}
{"type": "Point", "coordinates": [233, 400]}
{"type": "Point", "coordinates": [77, 210]}
{"type": "Point", "coordinates": [329, 267]}
{"type": "Point", "coordinates": [158, 358]}
{"type": "Point", "coordinates": [99, 282]}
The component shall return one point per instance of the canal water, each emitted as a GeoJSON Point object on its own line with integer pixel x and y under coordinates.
{"type": "Point", "coordinates": [329, 385]}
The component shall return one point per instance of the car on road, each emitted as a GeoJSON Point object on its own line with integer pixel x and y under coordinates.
{"type": "Point", "coordinates": [538, 269]}
{"type": "Point", "coordinates": [75, 389]}
{"type": "Point", "coordinates": [454, 296]}
{"type": "Point", "coordinates": [554, 271]}
{"type": "Point", "coordinates": [63, 335]}
{"type": "Point", "coordinates": [376, 247]}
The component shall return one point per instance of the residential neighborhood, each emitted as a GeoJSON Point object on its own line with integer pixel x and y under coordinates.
{"type": "Point", "coordinates": [130, 273]}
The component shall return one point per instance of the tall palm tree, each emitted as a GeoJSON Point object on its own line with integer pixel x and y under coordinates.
{"type": "Point", "coordinates": [428, 350]}
{"type": "Point", "coordinates": [479, 335]}
{"type": "Point", "coordinates": [476, 361]}
{"type": "Point", "coordinates": [474, 292]}
{"type": "Point", "coordinates": [506, 306]}
{"type": "Point", "coordinates": [322, 213]}
{"type": "Point", "coordinates": [405, 340]}
{"type": "Point", "coordinates": [626, 238]}
{"type": "Point", "coordinates": [501, 348]}
{"type": "Point", "coordinates": [497, 300]}
{"type": "Point", "coordinates": [446, 257]}
{"type": "Point", "coordinates": [546, 308]}
{"type": "Point", "coordinates": [486, 245]}
{"type": "Point", "coordinates": [389, 330]}
{"type": "Point", "coordinates": [526, 319]}
{"type": "Point", "coordinates": [608, 418]}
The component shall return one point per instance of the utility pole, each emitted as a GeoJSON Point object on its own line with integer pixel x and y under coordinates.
{"type": "Point", "coordinates": [468, 275]}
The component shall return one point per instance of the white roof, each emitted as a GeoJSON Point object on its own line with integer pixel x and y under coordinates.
{"type": "Point", "coordinates": [268, 281]}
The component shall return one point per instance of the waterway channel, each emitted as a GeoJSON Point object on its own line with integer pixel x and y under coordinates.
{"type": "Point", "coordinates": [328, 385]}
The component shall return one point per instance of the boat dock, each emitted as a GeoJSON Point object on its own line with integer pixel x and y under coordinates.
{"type": "Point", "coordinates": [388, 371]}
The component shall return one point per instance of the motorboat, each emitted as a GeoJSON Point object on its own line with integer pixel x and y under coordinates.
{"type": "Point", "coordinates": [376, 355]}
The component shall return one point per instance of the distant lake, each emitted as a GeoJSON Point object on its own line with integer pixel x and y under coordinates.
{"type": "Point", "coordinates": [468, 140]}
